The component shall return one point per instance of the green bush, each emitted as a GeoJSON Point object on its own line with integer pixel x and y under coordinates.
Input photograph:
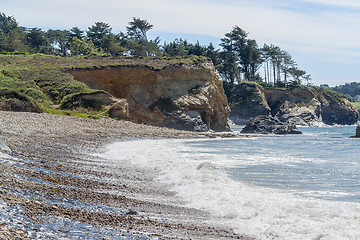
{"type": "Point", "coordinates": [37, 95]}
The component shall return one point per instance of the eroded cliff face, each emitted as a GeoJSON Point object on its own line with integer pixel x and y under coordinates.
{"type": "Point", "coordinates": [300, 106]}
{"type": "Point", "coordinates": [187, 97]}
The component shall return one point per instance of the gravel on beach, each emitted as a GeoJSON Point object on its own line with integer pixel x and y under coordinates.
{"type": "Point", "coordinates": [51, 185]}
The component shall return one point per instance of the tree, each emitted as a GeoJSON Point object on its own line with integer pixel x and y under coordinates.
{"type": "Point", "coordinates": [113, 45]}
{"type": "Point", "coordinates": [138, 43]}
{"type": "Point", "coordinates": [83, 46]}
{"type": "Point", "coordinates": [12, 36]}
{"type": "Point", "coordinates": [7, 23]}
{"type": "Point", "coordinates": [36, 39]}
{"type": "Point", "coordinates": [98, 32]}
{"type": "Point", "coordinates": [298, 75]}
{"type": "Point", "coordinates": [59, 40]}
{"type": "Point", "coordinates": [76, 32]}
{"type": "Point", "coordinates": [252, 60]}
{"type": "Point", "coordinates": [287, 63]}
{"type": "Point", "coordinates": [213, 54]}
{"type": "Point", "coordinates": [228, 68]}
{"type": "Point", "coordinates": [247, 53]}
{"type": "Point", "coordinates": [138, 29]}
{"type": "Point", "coordinates": [178, 47]}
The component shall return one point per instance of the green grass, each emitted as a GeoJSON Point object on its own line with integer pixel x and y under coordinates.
{"type": "Point", "coordinates": [77, 113]}
{"type": "Point", "coordinates": [356, 104]}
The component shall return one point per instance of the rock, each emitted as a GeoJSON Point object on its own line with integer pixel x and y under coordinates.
{"type": "Point", "coordinates": [338, 112]}
{"type": "Point", "coordinates": [357, 133]}
{"type": "Point", "coordinates": [267, 124]}
{"type": "Point", "coordinates": [166, 97]}
{"type": "Point", "coordinates": [301, 106]}
{"type": "Point", "coordinates": [11, 100]}
{"type": "Point", "coordinates": [189, 121]}
{"type": "Point", "coordinates": [247, 101]}
{"type": "Point", "coordinates": [119, 110]}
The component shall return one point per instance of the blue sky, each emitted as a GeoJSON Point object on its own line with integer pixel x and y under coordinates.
{"type": "Point", "coordinates": [323, 36]}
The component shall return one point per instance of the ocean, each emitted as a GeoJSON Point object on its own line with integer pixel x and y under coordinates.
{"type": "Point", "coordinates": [266, 186]}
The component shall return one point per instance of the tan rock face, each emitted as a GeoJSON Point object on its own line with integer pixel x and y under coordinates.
{"type": "Point", "coordinates": [165, 97]}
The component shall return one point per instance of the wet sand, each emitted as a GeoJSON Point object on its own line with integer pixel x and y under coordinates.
{"type": "Point", "coordinates": [49, 173]}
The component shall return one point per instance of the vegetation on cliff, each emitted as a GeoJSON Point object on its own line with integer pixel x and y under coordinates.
{"type": "Point", "coordinates": [46, 78]}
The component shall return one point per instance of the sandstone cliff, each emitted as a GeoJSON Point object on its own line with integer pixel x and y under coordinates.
{"type": "Point", "coordinates": [189, 97]}
{"type": "Point", "coordinates": [301, 106]}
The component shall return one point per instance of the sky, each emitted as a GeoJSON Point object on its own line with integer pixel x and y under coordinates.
{"type": "Point", "coordinates": [322, 36]}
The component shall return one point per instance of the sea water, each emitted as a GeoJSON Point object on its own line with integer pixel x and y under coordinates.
{"type": "Point", "coordinates": [266, 186]}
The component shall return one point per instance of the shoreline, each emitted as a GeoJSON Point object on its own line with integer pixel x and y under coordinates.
{"type": "Point", "coordinates": [51, 165]}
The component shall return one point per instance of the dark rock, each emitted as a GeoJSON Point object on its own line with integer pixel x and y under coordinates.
{"type": "Point", "coordinates": [266, 124]}
{"type": "Point", "coordinates": [357, 134]}
{"type": "Point", "coordinates": [188, 121]}
{"type": "Point", "coordinates": [338, 113]}
{"type": "Point", "coordinates": [247, 100]}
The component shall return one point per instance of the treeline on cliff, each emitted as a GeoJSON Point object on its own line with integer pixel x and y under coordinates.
{"type": "Point", "coordinates": [239, 58]}
{"type": "Point", "coordinates": [352, 90]}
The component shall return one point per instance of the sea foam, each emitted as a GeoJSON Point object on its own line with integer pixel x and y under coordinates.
{"type": "Point", "coordinates": [200, 176]}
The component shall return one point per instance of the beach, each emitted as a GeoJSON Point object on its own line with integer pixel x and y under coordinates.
{"type": "Point", "coordinates": [51, 172]}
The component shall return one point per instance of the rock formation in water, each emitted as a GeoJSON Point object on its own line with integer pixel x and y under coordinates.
{"type": "Point", "coordinates": [301, 105]}
{"type": "Point", "coordinates": [357, 133]}
{"type": "Point", "coordinates": [267, 124]}
{"type": "Point", "coordinates": [187, 97]}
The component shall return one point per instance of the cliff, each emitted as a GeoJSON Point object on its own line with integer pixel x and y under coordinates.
{"type": "Point", "coordinates": [178, 92]}
{"type": "Point", "coordinates": [188, 98]}
{"type": "Point", "coordinates": [247, 100]}
{"type": "Point", "coordinates": [301, 106]}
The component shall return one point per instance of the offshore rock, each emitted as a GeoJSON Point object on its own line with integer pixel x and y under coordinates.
{"type": "Point", "coordinates": [357, 133]}
{"type": "Point", "coordinates": [187, 97]}
{"type": "Point", "coordinates": [268, 124]}
{"type": "Point", "coordinates": [11, 100]}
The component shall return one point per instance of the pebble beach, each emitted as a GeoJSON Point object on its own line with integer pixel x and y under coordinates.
{"type": "Point", "coordinates": [54, 186]}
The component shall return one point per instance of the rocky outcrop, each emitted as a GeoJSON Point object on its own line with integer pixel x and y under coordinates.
{"type": "Point", "coordinates": [357, 133]}
{"type": "Point", "coordinates": [267, 124]}
{"type": "Point", "coordinates": [301, 106]}
{"type": "Point", "coordinates": [182, 97]}
{"type": "Point", "coordinates": [11, 100]}
{"type": "Point", "coordinates": [247, 100]}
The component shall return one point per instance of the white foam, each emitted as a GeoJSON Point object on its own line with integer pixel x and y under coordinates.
{"type": "Point", "coordinates": [200, 179]}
